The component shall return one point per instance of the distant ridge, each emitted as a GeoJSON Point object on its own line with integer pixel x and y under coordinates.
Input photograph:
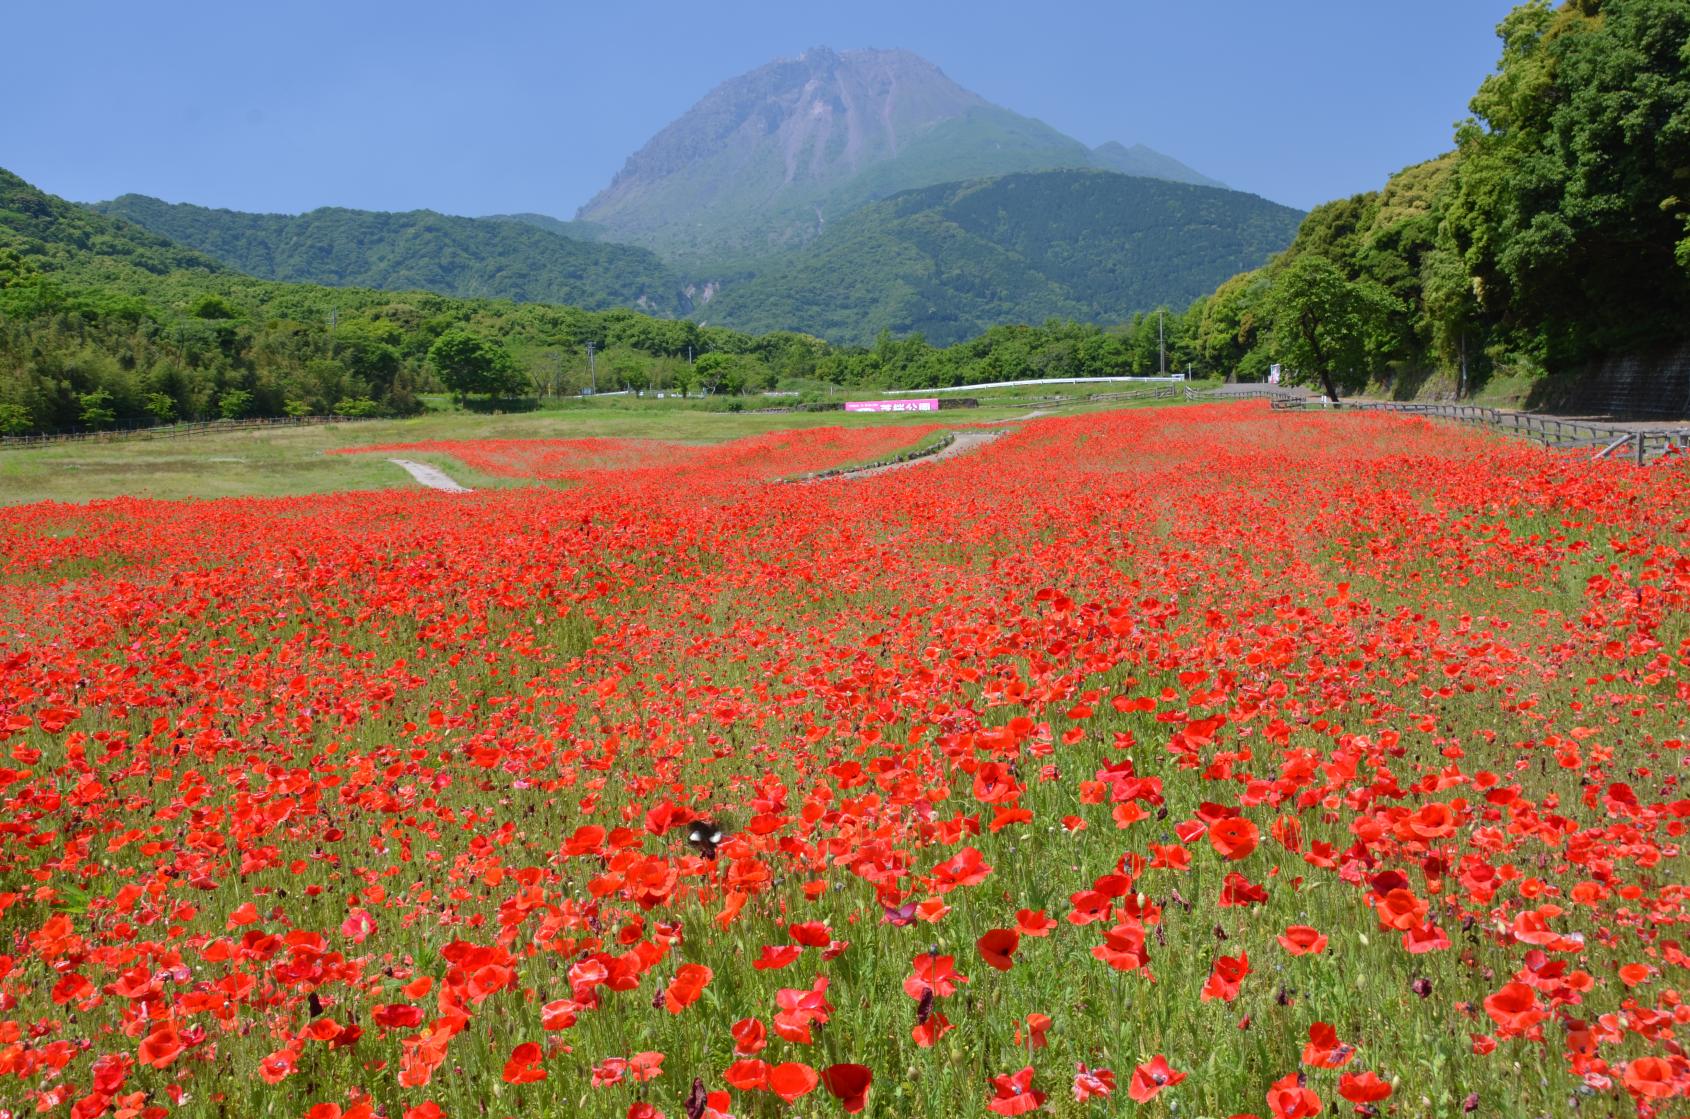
{"type": "Point", "coordinates": [949, 261]}
{"type": "Point", "coordinates": [525, 257]}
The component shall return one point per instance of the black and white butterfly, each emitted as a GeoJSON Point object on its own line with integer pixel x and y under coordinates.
{"type": "Point", "coordinates": [704, 836]}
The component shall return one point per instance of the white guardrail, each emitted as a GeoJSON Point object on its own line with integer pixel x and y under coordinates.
{"type": "Point", "coordinates": [1174, 379]}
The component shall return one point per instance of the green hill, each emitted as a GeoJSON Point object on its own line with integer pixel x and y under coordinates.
{"type": "Point", "coordinates": [518, 258]}
{"type": "Point", "coordinates": [951, 260]}
{"type": "Point", "coordinates": [56, 236]}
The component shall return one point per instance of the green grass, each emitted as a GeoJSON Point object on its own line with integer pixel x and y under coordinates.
{"type": "Point", "coordinates": [287, 461]}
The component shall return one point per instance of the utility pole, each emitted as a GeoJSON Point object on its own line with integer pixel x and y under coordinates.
{"type": "Point", "coordinates": [592, 372]}
{"type": "Point", "coordinates": [1161, 344]}
{"type": "Point", "coordinates": [1461, 389]}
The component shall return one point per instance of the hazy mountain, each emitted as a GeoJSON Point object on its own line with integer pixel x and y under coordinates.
{"type": "Point", "coordinates": [769, 158]}
{"type": "Point", "coordinates": [953, 259]}
{"type": "Point", "coordinates": [1146, 163]}
{"type": "Point", "coordinates": [521, 258]}
{"type": "Point", "coordinates": [578, 230]}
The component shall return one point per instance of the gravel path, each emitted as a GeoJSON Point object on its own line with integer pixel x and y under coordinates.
{"type": "Point", "coordinates": [431, 476]}
{"type": "Point", "coordinates": [964, 442]}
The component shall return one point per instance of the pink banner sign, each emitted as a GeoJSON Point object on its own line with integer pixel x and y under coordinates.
{"type": "Point", "coordinates": [925, 405]}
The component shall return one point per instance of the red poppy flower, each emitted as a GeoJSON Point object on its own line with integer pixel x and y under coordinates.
{"type": "Point", "coordinates": [1324, 1050]}
{"type": "Point", "coordinates": [1037, 1026]}
{"type": "Point", "coordinates": [811, 934]}
{"type": "Point", "coordinates": [1400, 909]}
{"type": "Point", "coordinates": [1225, 977]}
{"type": "Point", "coordinates": [750, 1036]}
{"type": "Point", "coordinates": [1097, 1083]}
{"type": "Point", "coordinates": [927, 1034]}
{"type": "Point", "coordinates": [773, 957]}
{"type": "Point", "coordinates": [1514, 1009]}
{"type": "Point", "coordinates": [686, 988]}
{"type": "Point", "coordinates": [559, 1014]}
{"type": "Point", "coordinates": [933, 973]}
{"type": "Point", "coordinates": [997, 947]}
{"type": "Point", "coordinates": [1652, 1078]}
{"type": "Point", "coordinates": [1014, 1094]}
{"type": "Point", "coordinates": [1425, 938]}
{"type": "Point", "coordinates": [792, 1080]}
{"type": "Point", "coordinates": [1149, 1079]}
{"type": "Point", "coordinates": [523, 1066]}
{"type": "Point", "coordinates": [1123, 947]}
{"type": "Point", "coordinates": [162, 1046]}
{"type": "Point", "coordinates": [1290, 1098]}
{"type": "Point", "coordinates": [1301, 940]}
{"type": "Point", "coordinates": [1633, 975]}
{"type": "Point", "coordinates": [1234, 838]}
{"type": "Point", "coordinates": [848, 1084]}
{"type": "Point", "coordinates": [1363, 1087]}
{"type": "Point", "coordinates": [1033, 922]}
{"type": "Point", "coordinates": [645, 1066]}
{"type": "Point", "coordinates": [747, 1076]}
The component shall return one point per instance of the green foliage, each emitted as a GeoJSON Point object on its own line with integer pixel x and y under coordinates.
{"type": "Point", "coordinates": [469, 364]}
{"type": "Point", "coordinates": [96, 412]}
{"type": "Point", "coordinates": [1573, 192]}
{"type": "Point", "coordinates": [13, 267]}
{"type": "Point", "coordinates": [162, 407]}
{"type": "Point", "coordinates": [15, 419]}
{"type": "Point", "coordinates": [234, 404]}
{"type": "Point", "coordinates": [212, 306]}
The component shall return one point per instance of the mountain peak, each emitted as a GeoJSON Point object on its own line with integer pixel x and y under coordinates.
{"type": "Point", "coordinates": [783, 129]}
{"type": "Point", "coordinates": [764, 160]}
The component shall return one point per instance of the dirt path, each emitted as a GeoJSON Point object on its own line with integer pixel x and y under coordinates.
{"type": "Point", "coordinates": [964, 442]}
{"type": "Point", "coordinates": [431, 476]}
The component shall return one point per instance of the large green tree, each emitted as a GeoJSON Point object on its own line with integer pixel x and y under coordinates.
{"type": "Point", "coordinates": [1326, 326]}
{"type": "Point", "coordinates": [1571, 204]}
{"type": "Point", "coordinates": [468, 364]}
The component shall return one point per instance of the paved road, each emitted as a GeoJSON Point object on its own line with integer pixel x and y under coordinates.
{"type": "Point", "coordinates": [431, 476]}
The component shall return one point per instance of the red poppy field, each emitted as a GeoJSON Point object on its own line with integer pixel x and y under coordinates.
{"type": "Point", "coordinates": [1197, 761]}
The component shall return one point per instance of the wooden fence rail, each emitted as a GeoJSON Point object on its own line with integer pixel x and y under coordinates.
{"type": "Point", "coordinates": [172, 431]}
{"type": "Point", "coordinates": [1550, 431]}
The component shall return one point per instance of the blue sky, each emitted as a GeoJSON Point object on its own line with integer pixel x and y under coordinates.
{"type": "Point", "coordinates": [494, 107]}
